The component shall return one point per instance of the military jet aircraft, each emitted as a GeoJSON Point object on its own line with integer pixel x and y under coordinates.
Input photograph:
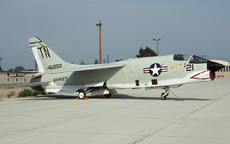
{"type": "Point", "coordinates": [57, 76]}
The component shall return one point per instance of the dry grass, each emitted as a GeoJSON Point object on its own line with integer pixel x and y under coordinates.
{"type": "Point", "coordinates": [8, 92]}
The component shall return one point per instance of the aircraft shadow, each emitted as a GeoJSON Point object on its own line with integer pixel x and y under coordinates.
{"type": "Point", "coordinates": [114, 97]}
{"type": "Point", "coordinates": [123, 96]}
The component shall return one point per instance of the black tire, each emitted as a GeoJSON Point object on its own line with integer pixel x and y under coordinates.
{"type": "Point", "coordinates": [108, 95]}
{"type": "Point", "coordinates": [164, 96]}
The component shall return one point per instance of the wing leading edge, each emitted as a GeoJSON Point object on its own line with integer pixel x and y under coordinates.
{"type": "Point", "coordinates": [89, 68]}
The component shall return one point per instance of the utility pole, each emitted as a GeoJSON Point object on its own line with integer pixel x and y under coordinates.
{"type": "Point", "coordinates": [99, 24]}
{"type": "Point", "coordinates": [157, 45]}
{"type": "Point", "coordinates": [107, 58]}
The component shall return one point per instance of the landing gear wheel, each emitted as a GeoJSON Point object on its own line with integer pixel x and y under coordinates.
{"type": "Point", "coordinates": [164, 96]}
{"type": "Point", "coordinates": [81, 95]}
{"type": "Point", "coordinates": [108, 95]}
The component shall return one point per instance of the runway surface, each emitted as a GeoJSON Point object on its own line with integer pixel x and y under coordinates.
{"type": "Point", "coordinates": [133, 117]}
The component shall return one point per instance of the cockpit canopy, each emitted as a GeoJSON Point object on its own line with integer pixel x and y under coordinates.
{"type": "Point", "coordinates": [190, 58]}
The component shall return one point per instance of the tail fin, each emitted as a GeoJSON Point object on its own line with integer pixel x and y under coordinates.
{"type": "Point", "coordinates": [46, 59]}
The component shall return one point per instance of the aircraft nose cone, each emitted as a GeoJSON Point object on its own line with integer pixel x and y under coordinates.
{"type": "Point", "coordinates": [213, 66]}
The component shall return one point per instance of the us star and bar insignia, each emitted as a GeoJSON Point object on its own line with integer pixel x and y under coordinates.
{"type": "Point", "coordinates": [155, 69]}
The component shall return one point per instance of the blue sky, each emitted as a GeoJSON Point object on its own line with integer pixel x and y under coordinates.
{"type": "Point", "coordinates": [69, 28]}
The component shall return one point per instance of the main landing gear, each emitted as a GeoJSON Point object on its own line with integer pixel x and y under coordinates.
{"type": "Point", "coordinates": [165, 94]}
{"type": "Point", "coordinates": [81, 95]}
{"type": "Point", "coordinates": [94, 91]}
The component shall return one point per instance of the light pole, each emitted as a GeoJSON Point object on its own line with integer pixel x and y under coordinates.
{"type": "Point", "coordinates": [157, 45]}
{"type": "Point", "coordinates": [99, 24]}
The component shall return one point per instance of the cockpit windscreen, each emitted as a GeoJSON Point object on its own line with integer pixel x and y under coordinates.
{"type": "Point", "coordinates": [197, 59]}
{"type": "Point", "coordinates": [190, 58]}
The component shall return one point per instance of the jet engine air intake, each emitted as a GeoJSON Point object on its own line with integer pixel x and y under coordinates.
{"type": "Point", "coordinates": [213, 67]}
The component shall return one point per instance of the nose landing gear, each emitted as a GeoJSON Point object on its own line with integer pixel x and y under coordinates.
{"type": "Point", "coordinates": [165, 94]}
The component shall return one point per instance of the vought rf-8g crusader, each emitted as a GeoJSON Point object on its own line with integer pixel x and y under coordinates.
{"type": "Point", "coordinates": [57, 76]}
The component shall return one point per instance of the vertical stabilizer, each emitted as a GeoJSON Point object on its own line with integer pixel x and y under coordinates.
{"type": "Point", "coordinates": [46, 59]}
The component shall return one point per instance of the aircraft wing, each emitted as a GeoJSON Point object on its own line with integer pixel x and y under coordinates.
{"type": "Point", "coordinates": [80, 69]}
{"type": "Point", "coordinates": [97, 67]}
{"type": "Point", "coordinates": [91, 67]}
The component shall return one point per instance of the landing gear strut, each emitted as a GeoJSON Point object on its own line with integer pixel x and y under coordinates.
{"type": "Point", "coordinates": [165, 94]}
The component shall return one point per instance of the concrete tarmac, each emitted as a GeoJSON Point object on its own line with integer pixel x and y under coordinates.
{"type": "Point", "coordinates": [133, 117]}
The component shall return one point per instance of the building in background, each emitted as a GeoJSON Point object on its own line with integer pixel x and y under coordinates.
{"type": "Point", "coordinates": [8, 77]}
{"type": "Point", "coordinates": [224, 72]}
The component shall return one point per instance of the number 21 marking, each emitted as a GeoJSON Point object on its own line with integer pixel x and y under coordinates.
{"type": "Point", "coordinates": [189, 67]}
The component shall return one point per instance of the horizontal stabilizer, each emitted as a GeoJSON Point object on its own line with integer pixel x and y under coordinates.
{"type": "Point", "coordinates": [34, 84]}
